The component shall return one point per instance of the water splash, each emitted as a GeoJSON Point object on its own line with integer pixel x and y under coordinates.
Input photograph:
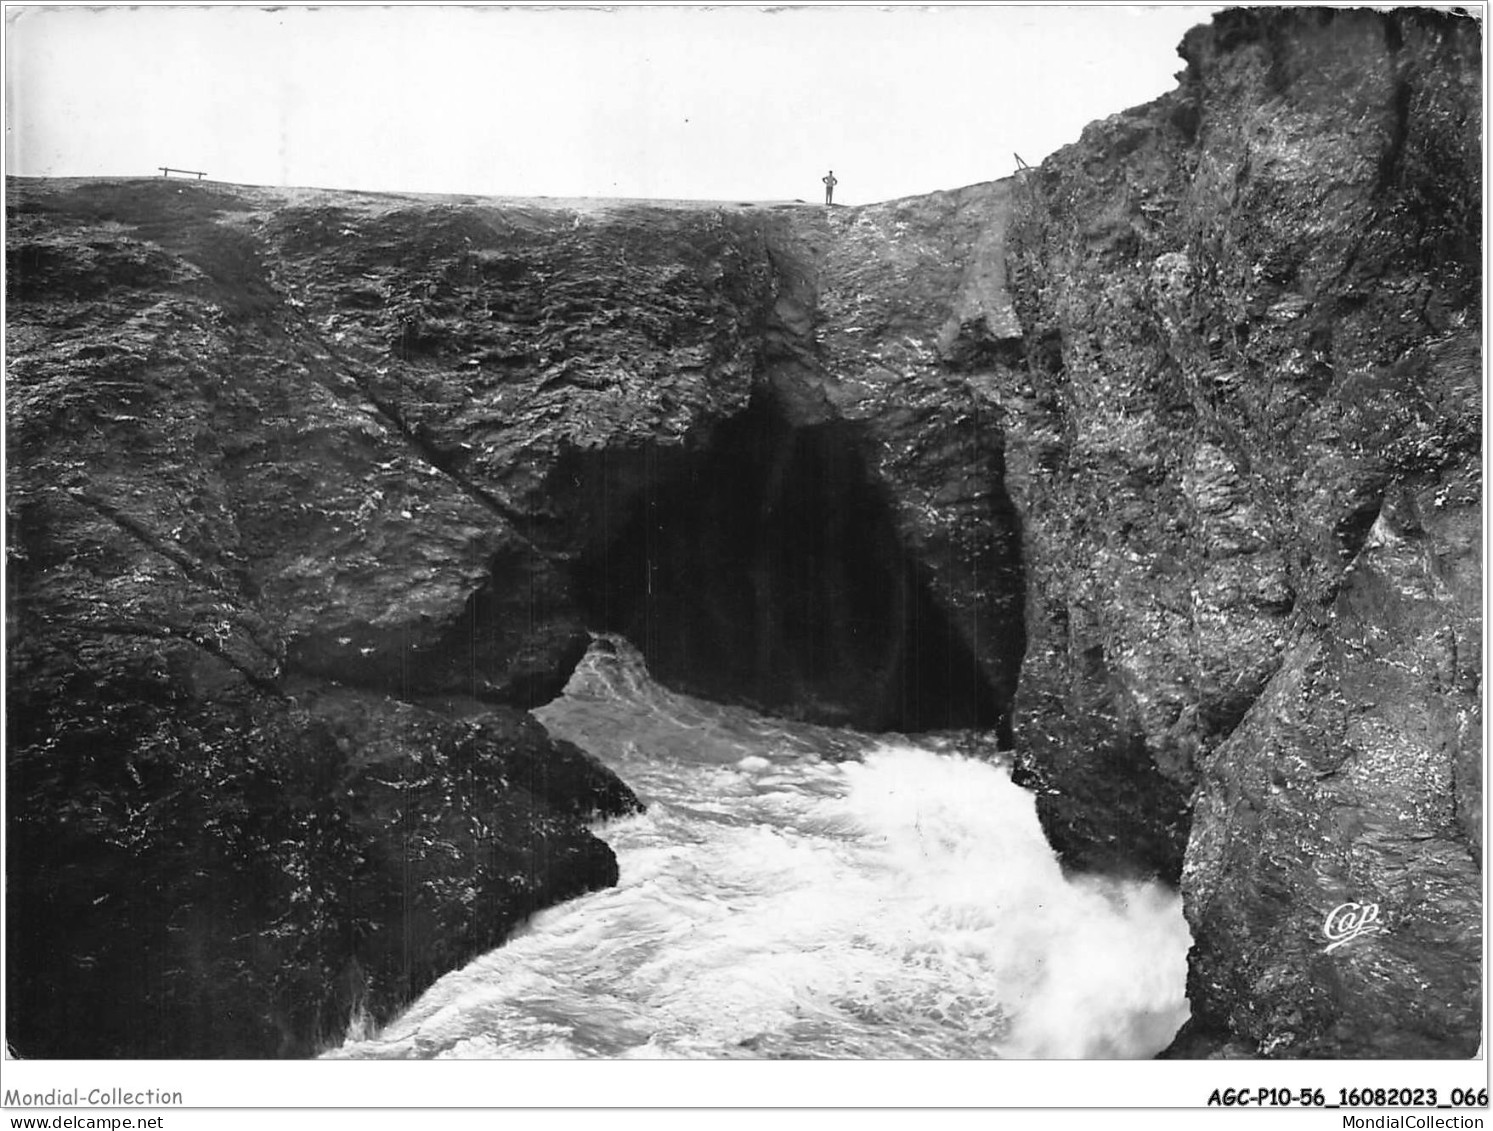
{"type": "Point", "coordinates": [779, 901]}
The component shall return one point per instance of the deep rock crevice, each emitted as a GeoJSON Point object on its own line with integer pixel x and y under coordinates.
{"type": "Point", "coordinates": [765, 567]}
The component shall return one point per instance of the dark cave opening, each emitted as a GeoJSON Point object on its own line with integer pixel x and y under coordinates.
{"type": "Point", "coordinates": [764, 568]}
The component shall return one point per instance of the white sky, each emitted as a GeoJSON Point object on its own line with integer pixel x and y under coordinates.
{"type": "Point", "coordinates": [718, 103]}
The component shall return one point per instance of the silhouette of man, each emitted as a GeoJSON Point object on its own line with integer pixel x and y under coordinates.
{"type": "Point", "coordinates": [829, 187]}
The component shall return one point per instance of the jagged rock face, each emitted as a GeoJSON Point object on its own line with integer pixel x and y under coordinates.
{"type": "Point", "coordinates": [1249, 458]}
{"type": "Point", "coordinates": [211, 525]}
{"type": "Point", "coordinates": [843, 547]}
{"type": "Point", "coordinates": [342, 469]}
{"type": "Point", "coordinates": [245, 877]}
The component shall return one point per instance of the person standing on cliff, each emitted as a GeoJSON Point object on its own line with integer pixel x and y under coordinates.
{"type": "Point", "coordinates": [829, 187]}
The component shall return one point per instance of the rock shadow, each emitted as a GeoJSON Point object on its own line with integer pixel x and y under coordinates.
{"type": "Point", "coordinates": [765, 567]}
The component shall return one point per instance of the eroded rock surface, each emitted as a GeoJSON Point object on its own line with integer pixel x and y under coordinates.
{"type": "Point", "coordinates": [1161, 462]}
{"type": "Point", "coordinates": [1249, 459]}
{"type": "Point", "coordinates": [344, 469]}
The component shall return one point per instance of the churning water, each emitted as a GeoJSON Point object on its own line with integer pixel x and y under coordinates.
{"type": "Point", "coordinates": [801, 891]}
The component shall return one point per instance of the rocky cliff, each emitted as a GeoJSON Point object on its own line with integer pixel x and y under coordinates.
{"type": "Point", "coordinates": [1161, 462]}
{"type": "Point", "coordinates": [313, 494]}
{"type": "Point", "coordinates": [1249, 460]}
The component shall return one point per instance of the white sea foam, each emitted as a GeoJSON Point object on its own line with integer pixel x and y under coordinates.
{"type": "Point", "coordinates": [774, 902]}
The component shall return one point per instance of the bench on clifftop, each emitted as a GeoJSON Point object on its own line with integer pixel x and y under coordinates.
{"type": "Point", "coordinates": [166, 171]}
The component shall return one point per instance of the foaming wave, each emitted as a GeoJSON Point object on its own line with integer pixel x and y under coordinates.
{"type": "Point", "coordinates": [1085, 968]}
{"type": "Point", "coordinates": [904, 906]}
{"type": "Point", "coordinates": [779, 901]}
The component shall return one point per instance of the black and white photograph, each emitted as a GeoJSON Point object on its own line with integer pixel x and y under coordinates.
{"type": "Point", "coordinates": [876, 536]}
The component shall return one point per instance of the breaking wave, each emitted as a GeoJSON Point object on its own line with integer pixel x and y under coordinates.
{"type": "Point", "coordinates": [807, 892]}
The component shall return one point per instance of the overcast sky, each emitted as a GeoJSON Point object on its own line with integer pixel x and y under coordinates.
{"type": "Point", "coordinates": [638, 101]}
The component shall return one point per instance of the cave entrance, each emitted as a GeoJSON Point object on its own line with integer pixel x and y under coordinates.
{"type": "Point", "coordinates": [764, 568]}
